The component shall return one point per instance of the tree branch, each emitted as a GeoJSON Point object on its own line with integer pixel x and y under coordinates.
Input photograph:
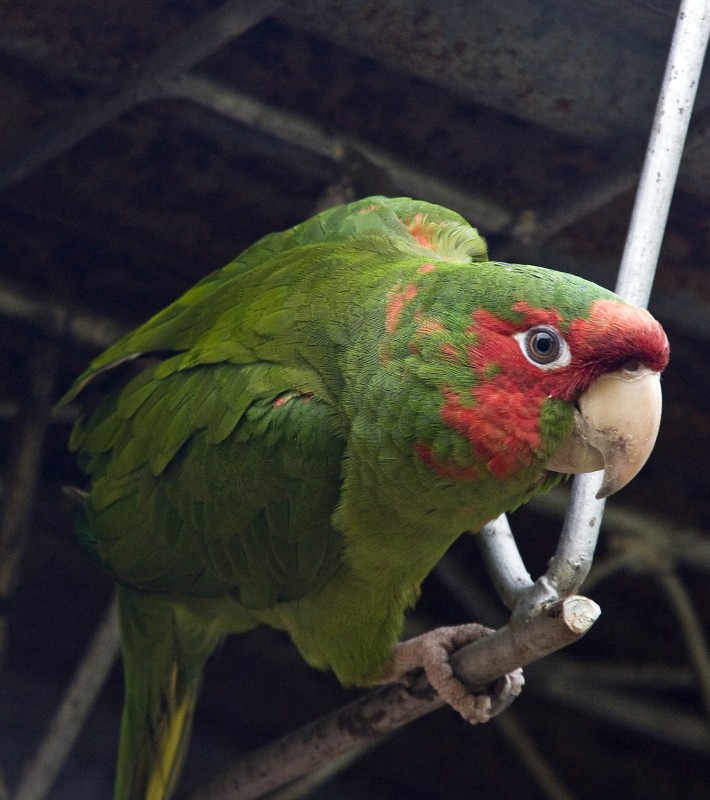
{"type": "Point", "coordinates": [40, 773]}
{"type": "Point", "coordinates": [56, 320]}
{"type": "Point", "coordinates": [386, 709]}
{"type": "Point", "coordinates": [23, 472]}
{"type": "Point", "coordinates": [692, 630]}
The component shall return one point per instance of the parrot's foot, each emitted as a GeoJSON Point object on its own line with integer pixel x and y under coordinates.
{"type": "Point", "coordinates": [431, 652]}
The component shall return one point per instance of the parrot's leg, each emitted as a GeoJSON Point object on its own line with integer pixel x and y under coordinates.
{"type": "Point", "coordinates": [431, 652]}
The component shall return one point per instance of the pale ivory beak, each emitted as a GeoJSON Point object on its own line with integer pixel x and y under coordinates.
{"type": "Point", "coordinates": [615, 428]}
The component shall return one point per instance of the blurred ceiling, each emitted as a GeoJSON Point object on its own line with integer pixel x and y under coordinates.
{"type": "Point", "coordinates": [146, 144]}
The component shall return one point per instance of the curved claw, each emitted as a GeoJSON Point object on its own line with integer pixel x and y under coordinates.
{"type": "Point", "coordinates": [432, 651]}
{"type": "Point", "coordinates": [505, 690]}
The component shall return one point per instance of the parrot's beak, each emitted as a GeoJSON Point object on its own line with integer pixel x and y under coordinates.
{"type": "Point", "coordinates": [615, 428]}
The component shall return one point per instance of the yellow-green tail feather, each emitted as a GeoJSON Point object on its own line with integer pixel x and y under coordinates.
{"type": "Point", "coordinates": [162, 662]}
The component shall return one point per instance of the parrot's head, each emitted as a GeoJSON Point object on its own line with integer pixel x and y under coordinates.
{"type": "Point", "coordinates": [619, 354]}
{"type": "Point", "coordinates": [560, 375]}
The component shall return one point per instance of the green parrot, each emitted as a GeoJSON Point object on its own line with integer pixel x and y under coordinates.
{"type": "Point", "coordinates": [299, 438]}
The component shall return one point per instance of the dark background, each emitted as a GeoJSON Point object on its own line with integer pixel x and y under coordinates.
{"type": "Point", "coordinates": [531, 119]}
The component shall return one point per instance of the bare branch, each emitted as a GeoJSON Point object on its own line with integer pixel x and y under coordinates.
{"type": "Point", "coordinates": [23, 472]}
{"type": "Point", "coordinates": [57, 320]}
{"type": "Point", "coordinates": [385, 710]}
{"type": "Point", "coordinates": [691, 628]}
{"type": "Point", "coordinates": [532, 757]}
{"type": "Point", "coordinates": [645, 542]}
{"type": "Point", "coordinates": [303, 787]}
{"type": "Point", "coordinates": [41, 772]}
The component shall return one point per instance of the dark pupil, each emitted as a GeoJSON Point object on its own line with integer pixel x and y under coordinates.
{"type": "Point", "coordinates": [542, 343]}
{"type": "Point", "coordinates": [543, 346]}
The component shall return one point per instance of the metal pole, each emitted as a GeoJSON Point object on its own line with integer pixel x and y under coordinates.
{"type": "Point", "coordinates": [571, 562]}
{"type": "Point", "coordinates": [665, 149]}
{"type": "Point", "coordinates": [643, 245]}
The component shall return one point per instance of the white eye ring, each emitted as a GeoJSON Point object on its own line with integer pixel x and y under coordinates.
{"type": "Point", "coordinates": [544, 346]}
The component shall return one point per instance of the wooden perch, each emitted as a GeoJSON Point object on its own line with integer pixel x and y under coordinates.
{"type": "Point", "coordinates": [384, 710]}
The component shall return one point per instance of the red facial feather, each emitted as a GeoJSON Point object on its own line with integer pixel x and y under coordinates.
{"type": "Point", "coordinates": [616, 333]}
{"type": "Point", "coordinates": [500, 417]}
{"type": "Point", "coordinates": [502, 427]}
{"type": "Point", "coordinates": [531, 316]}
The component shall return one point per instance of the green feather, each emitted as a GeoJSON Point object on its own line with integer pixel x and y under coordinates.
{"type": "Point", "coordinates": [262, 465]}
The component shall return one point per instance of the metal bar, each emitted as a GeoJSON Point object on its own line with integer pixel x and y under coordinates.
{"type": "Point", "coordinates": [573, 557]}
{"type": "Point", "coordinates": [665, 150]}
{"type": "Point", "coordinates": [197, 43]}
{"type": "Point", "coordinates": [538, 225]}
{"type": "Point", "coordinates": [530, 227]}
{"type": "Point", "coordinates": [505, 565]}
{"type": "Point", "coordinates": [308, 135]}
{"type": "Point", "coordinates": [643, 244]}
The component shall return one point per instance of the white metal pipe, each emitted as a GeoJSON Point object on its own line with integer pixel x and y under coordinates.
{"type": "Point", "coordinates": [665, 150]}
{"type": "Point", "coordinates": [643, 243]}
{"type": "Point", "coordinates": [575, 550]}
{"type": "Point", "coordinates": [503, 561]}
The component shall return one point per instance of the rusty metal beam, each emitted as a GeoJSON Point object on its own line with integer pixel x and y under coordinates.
{"type": "Point", "coordinates": [306, 134]}
{"type": "Point", "coordinates": [210, 34]}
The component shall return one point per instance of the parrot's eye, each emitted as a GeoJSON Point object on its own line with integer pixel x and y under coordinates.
{"type": "Point", "coordinates": [544, 346]}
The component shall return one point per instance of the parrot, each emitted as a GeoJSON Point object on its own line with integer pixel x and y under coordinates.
{"type": "Point", "coordinates": [299, 438]}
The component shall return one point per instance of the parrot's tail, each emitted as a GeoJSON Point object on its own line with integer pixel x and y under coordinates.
{"type": "Point", "coordinates": [164, 649]}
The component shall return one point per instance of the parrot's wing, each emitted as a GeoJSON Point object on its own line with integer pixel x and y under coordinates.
{"type": "Point", "coordinates": [214, 480]}
{"type": "Point", "coordinates": [208, 324]}
{"type": "Point", "coordinates": [215, 483]}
